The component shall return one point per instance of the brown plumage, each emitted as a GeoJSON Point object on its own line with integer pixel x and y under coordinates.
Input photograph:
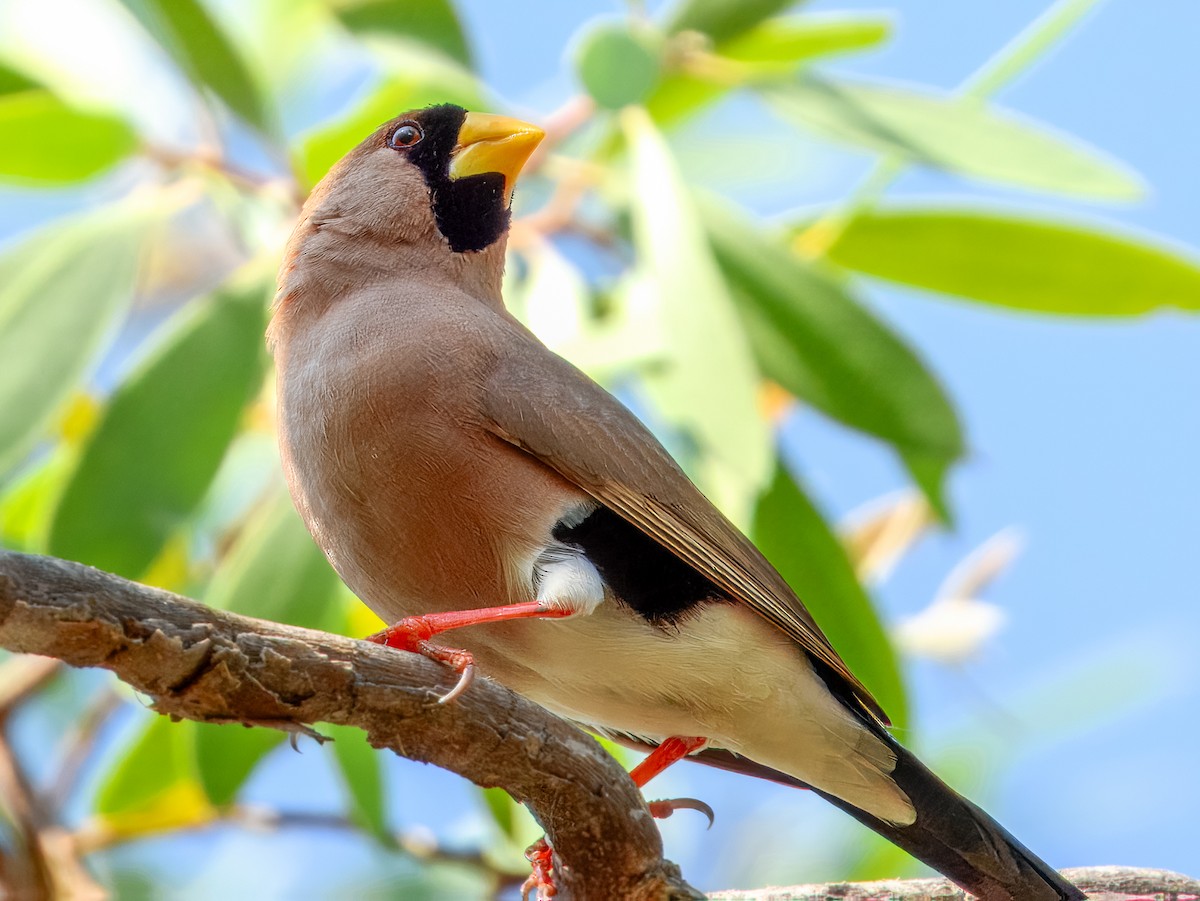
{"type": "Point", "coordinates": [445, 460]}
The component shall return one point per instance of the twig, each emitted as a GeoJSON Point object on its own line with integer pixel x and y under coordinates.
{"type": "Point", "coordinates": [206, 665]}
{"type": "Point", "coordinates": [78, 747]}
{"type": "Point", "coordinates": [47, 864]}
{"type": "Point", "coordinates": [560, 125]}
{"type": "Point", "coordinates": [20, 677]}
{"type": "Point", "coordinates": [418, 844]}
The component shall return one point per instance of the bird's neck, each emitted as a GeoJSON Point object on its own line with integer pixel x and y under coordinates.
{"type": "Point", "coordinates": [323, 263]}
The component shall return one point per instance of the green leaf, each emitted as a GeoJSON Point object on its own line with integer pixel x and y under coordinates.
{"type": "Point", "coordinates": [956, 134]}
{"type": "Point", "coordinates": [722, 19]}
{"type": "Point", "coordinates": [27, 503]}
{"type": "Point", "coordinates": [163, 435]}
{"type": "Point", "coordinates": [708, 383]}
{"type": "Point", "coordinates": [794, 536]}
{"type": "Point", "coordinates": [518, 830]}
{"type": "Point", "coordinates": [62, 293]}
{"type": "Point", "coordinates": [434, 23]}
{"type": "Point", "coordinates": [227, 754]}
{"type": "Point", "coordinates": [34, 148]}
{"type": "Point", "coordinates": [767, 52]}
{"type": "Point", "coordinates": [500, 805]}
{"type": "Point", "coordinates": [13, 81]}
{"type": "Point", "coordinates": [153, 785]}
{"type": "Point", "coordinates": [929, 472]}
{"type": "Point", "coordinates": [814, 339]}
{"type": "Point", "coordinates": [276, 571]}
{"type": "Point", "coordinates": [619, 63]}
{"type": "Point", "coordinates": [1021, 262]}
{"type": "Point", "coordinates": [188, 34]}
{"type": "Point", "coordinates": [802, 38]}
{"type": "Point", "coordinates": [362, 777]}
{"type": "Point", "coordinates": [433, 81]}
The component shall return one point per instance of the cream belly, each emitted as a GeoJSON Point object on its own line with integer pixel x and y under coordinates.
{"type": "Point", "coordinates": [725, 675]}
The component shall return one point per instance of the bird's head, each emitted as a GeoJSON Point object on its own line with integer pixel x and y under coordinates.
{"type": "Point", "coordinates": [439, 173]}
{"type": "Point", "coordinates": [425, 197]}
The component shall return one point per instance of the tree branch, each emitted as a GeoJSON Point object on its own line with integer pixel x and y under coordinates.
{"type": "Point", "coordinates": [212, 666]}
{"type": "Point", "coordinates": [1100, 883]}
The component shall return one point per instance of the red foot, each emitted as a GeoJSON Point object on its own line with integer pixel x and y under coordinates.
{"type": "Point", "coordinates": [541, 860]}
{"type": "Point", "coordinates": [413, 633]}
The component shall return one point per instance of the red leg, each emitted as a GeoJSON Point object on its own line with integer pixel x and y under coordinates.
{"type": "Point", "coordinates": [673, 749]}
{"type": "Point", "coordinates": [413, 633]}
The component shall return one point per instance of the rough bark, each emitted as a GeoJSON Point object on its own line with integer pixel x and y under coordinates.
{"type": "Point", "coordinates": [212, 666]}
{"type": "Point", "coordinates": [1100, 883]}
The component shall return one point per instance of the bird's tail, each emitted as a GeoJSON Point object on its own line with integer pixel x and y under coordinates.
{"type": "Point", "coordinates": [955, 837]}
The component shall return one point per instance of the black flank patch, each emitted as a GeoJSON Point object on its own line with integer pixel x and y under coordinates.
{"type": "Point", "coordinates": [641, 572]}
{"type": "Point", "coordinates": [472, 213]}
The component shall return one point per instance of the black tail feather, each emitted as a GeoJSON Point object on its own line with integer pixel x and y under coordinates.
{"type": "Point", "coordinates": [950, 834]}
{"type": "Point", "coordinates": [963, 842]}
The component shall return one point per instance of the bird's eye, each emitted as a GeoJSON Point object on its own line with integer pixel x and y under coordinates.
{"type": "Point", "coordinates": [405, 136]}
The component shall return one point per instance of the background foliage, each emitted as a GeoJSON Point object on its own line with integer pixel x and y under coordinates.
{"type": "Point", "coordinates": [136, 429]}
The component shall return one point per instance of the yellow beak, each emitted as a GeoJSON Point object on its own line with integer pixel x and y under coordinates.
{"type": "Point", "coordinates": [488, 143]}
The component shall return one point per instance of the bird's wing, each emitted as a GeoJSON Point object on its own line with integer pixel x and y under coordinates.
{"type": "Point", "coordinates": [540, 403]}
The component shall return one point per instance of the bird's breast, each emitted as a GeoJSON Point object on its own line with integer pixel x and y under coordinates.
{"type": "Point", "coordinates": [418, 506]}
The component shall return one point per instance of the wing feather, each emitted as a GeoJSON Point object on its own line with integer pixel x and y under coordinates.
{"type": "Point", "coordinates": [543, 405]}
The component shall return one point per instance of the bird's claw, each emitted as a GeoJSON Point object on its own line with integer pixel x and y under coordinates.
{"type": "Point", "coordinates": [412, 634]}
{"type": "Point", "coordinates": [465, 677]}
{"type": "Point", "coordinates": [541, 862]}
{"type": "Point", "coordinates": [660, 810]}
{"type": "Point", "coordinates": [293, 729]}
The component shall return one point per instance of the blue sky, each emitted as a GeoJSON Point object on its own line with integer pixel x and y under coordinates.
{"type": "Point", "coordinates": [1084, 435]}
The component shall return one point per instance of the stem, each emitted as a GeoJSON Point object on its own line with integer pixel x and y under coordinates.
{"type": "Point", "coordinates": [1001, 68]}
{"type": "Point", "coordinates": [1025, 49]}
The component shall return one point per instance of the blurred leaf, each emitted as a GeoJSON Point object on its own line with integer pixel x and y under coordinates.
{"type": "Point", "coordinates": [817, 342]}
{"type": "Point", "coordinates": [431, 81]}
{"type": "Point", "coordinates": [952, 133]}
{"type": "Point", "coordinates": [163, 435]}
{"type": "Point", "coordinates": [1022, 262]}
{"type": "Point", "coordinates": [679, 96]}
{"type": "Point", "coordinates": [500, 805]}
{"type": "Point", "coordinates": [769, 51]}
{"type": "Point", "coordinates": [273, 571]}
{"type": "Point", "coordinates": [227, 754]}
{"type": "Point", "coordinates": [517, 827]}
{"type": "Point", "coordinates": [28, 502]}
{"type": "Point", "coordinates": [276, 571]}
{"type": "Point", "coordinates": [190, 37]}
{"type": "Point", "coordinates": [794, 536]}
{"type": "Point", "coordinates": [619, 63]}
{"type": "Point", "coordinates": [12, 81]}
{"type": "Point", "coordinates": [434, 23]}
{"type": "Point", "coordinates": [153, 785]}
{"type": "Point", "coordinates": [62, 292]}
{"type": "Point", "coordinates": [34, 148]}
{"type": "Point", "coordinates": [359, 620]}
{"type": "Point", "coordinates": [362, 777]}
{"type": "Point", "coordinates": [929, 472]}
{"type": "Point", "coordinates": [801, 38]}
{"type": "Point", "coordinates": [709, 381]}
{"type": "Point", "coordinates": [722, 19]}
